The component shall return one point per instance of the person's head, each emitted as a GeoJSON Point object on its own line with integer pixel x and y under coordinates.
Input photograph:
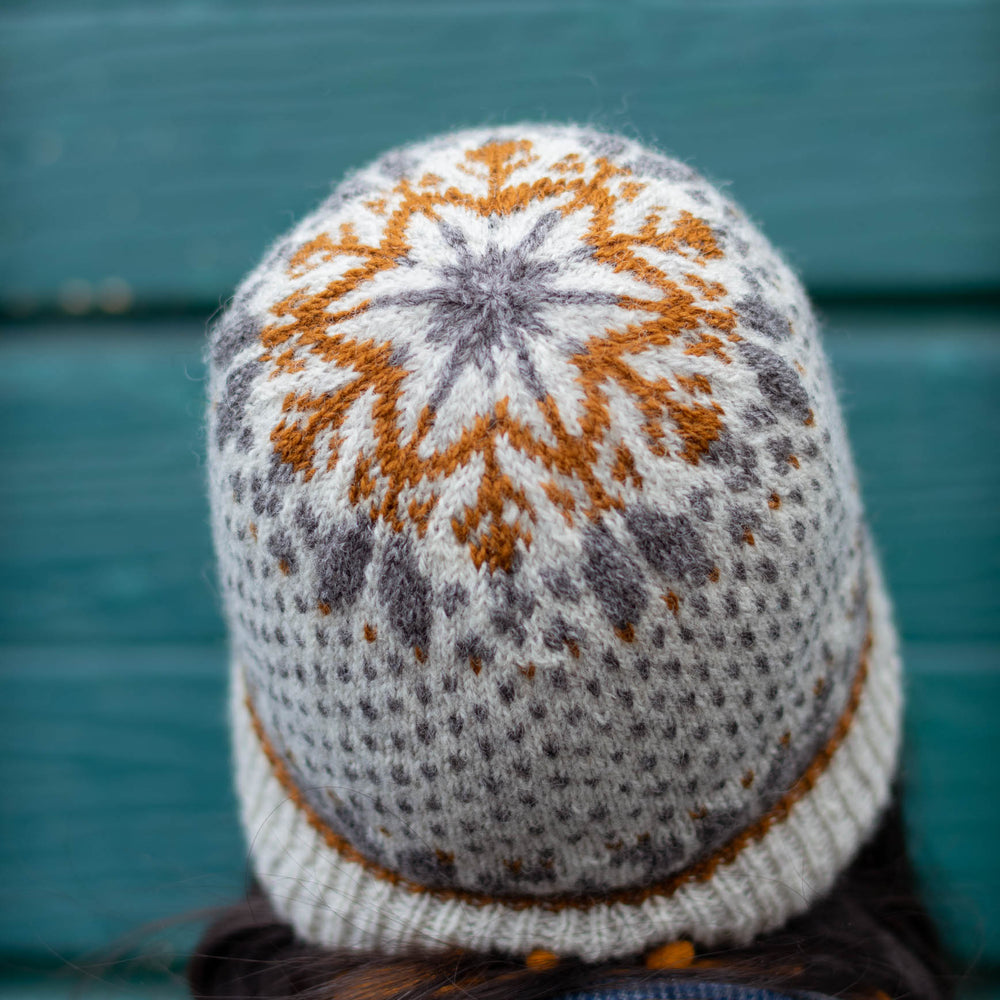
{"type": "Point", "coordinates": [555, 624]}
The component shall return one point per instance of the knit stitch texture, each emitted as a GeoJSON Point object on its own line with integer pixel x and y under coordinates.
{"type": "Point", "coordinates": [554, 620]}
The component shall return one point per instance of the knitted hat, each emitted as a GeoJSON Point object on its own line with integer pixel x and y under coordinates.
{"type": "Point", "coordinates": [554, 621]}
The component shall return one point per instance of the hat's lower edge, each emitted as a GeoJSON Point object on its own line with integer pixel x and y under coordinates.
{"type": "Point", "coordinates": [333, 898]}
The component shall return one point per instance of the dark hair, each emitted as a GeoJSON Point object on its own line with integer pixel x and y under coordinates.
{"type": "Point", "coordinates": [871, 935]}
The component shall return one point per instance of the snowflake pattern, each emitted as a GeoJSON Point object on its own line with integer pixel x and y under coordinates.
{"type": "Point", "coordinates": [485, 294]}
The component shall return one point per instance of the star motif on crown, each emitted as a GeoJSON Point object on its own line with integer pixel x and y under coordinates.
{"type": "Point", "coordinates": [529, 310]}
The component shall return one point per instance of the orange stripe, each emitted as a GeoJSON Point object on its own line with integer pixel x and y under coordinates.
{"type": "Point", "coordinates": [699, 872]}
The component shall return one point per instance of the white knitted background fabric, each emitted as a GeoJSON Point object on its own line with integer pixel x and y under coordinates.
{"type": "Point", "coordinates": [544, 564]}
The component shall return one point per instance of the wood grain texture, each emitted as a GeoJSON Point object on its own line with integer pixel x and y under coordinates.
{"type": "Point", "coordinates": [166, 145]}
{"type": "Point", "coordinates": [953, 789]}
{"type": "Point", "coordinates": [105, 529]}
{"type": "Point", "coordinates": [117, 807]}
{"type": "Point", "coordinates": [104, 526]}
{"type": "Point", "coordinates": [91, 985]}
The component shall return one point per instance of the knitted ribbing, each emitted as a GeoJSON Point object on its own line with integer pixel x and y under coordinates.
{"type": "Point", "coordinates": [552, 612]}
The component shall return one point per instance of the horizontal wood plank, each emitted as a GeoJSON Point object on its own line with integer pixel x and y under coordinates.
{"type": "Point", "coordinates": [952, 789]}
{"type": "Point", "coordinates": [152, 151]}
{"type": "Point", "coordinates": [117, 809]}
{"type": "Point", "coordinates": [96, 985]}
{"type": "Point", "coordinates": [104, 529]}
{"type": "Point", "coordinates": [105, 534]}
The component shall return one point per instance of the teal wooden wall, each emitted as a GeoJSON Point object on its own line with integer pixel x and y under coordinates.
{"type": "Point", "coordinates": [148, 153]}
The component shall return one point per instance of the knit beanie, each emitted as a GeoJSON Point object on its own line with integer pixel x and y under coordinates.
{"type": "Point", "coordinates": [554, 621]}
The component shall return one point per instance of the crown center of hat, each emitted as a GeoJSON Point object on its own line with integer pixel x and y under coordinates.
{"type": "Point", "coordinates": [499, 293]}
{"type": "Point", "coordinates": [491, 303]}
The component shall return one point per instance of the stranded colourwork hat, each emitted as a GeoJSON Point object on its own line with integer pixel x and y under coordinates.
{"type": "Point", "coordinates": [554, 620]}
